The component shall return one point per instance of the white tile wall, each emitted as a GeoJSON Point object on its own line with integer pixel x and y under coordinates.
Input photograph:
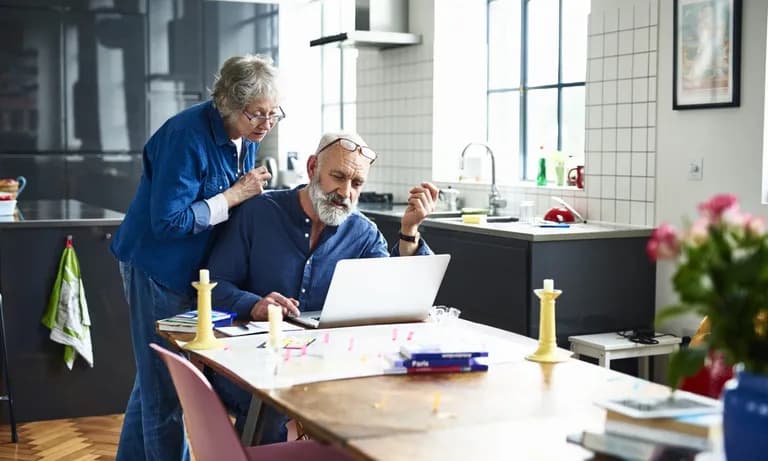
{"type": "Point", "coordinates": [621, 187]}
{"type": "Point", "coordinates": [620, 160]}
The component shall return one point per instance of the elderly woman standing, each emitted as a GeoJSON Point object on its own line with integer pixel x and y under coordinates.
{"type": "Point", "coordinates": [197, 166]}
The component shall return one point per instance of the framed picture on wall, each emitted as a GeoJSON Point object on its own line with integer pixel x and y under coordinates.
{"type": "Point", "coordinates": [707, 48]}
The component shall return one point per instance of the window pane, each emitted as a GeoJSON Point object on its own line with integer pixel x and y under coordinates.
{"type": "Point", "coordinates": [575, 40]}
{"type": "Point", "coordinates": [331, 74]}
{"type": "Point", "coordinates": [504, 44]}
{"type": "Point", "coordinates": [331, 118]}
{"type": "Point", "coordinates": [541, 119]}
{"type": "Point", "coordinates": [542, 42]}
{"type": "Point", "coordinates": [573, 121]}
{"type": "Point", "coordinates": [350, 75]}
{"type": "Point", "coordinates": [504, 133]}
{"type": "Point", "coordinates": [350, 117]}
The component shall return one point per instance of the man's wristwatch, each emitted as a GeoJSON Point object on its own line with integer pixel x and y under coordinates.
{"type": "Point", "coordinates": [409, 238]}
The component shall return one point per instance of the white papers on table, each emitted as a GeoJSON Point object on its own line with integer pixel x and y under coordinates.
{"type": "Point", "coordinates": [252, 328]}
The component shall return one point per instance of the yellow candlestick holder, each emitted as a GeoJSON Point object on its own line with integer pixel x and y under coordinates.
{"type": "Point", "coordinates": [204, 337]}
{"type": "Point", "coordinates": [547, 351]}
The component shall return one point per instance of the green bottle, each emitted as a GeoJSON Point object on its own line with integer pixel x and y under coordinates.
{"type": "Point", "coordinates": [541, 179]}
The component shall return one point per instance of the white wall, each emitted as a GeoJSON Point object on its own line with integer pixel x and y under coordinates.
{"type": "Point", "coordinates": [730, 140]}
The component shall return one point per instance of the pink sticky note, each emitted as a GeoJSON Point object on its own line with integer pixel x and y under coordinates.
{"type": "Point", "coordinates": [410, 336]}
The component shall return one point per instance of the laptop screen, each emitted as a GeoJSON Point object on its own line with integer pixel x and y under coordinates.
{"type": "Point", "coordinates": [383, 290]}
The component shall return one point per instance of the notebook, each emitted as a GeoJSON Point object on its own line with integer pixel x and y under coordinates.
{"type": "Point", "coordinates": [379, 290]}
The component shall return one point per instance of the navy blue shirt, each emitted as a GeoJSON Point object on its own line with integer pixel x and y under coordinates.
{"type": "Point", "coordinates": [265, 247]}
{"type": "Point", "coordinates": [166, 232]}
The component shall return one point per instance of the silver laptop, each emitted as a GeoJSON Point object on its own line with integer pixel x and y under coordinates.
{"type": "Point", "coordinates": [379, 290]}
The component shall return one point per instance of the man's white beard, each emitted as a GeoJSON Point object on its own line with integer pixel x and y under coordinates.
{"type": "Point", "coordinates": [326, 204]}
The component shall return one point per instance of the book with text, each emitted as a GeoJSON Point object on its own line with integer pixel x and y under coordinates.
{"type": "Point", "coordinates": [476, 365]}
{"type": "Point", "coordinates": [398, 360]}
{"type": "Point", "coordinates": [441, 351]}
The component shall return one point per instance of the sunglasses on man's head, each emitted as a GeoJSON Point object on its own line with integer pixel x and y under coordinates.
{"type": "Point", "coordinates": [351, 146]}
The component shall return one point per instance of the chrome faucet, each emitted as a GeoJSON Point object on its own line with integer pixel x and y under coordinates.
{"type": "Point", "coordinates": [495, 202]}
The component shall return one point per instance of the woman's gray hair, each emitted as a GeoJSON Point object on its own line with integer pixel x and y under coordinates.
{"type": "Point", "coordinates": [242, 80]}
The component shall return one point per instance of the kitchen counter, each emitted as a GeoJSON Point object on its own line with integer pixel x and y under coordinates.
{"type": "Point", "coordinates": [31, 244]}
{"type": "Point", "coordinates": [59, 213]}
{"type": "Point", "coordinates": [580, 231]}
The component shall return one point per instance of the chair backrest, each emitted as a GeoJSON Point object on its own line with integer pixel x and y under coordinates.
{"type": "Point", "coordinates": [210, 430]}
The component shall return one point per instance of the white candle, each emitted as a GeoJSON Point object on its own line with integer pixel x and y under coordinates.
{"type": "Point", "coordinates": [204, 277]}
{"type": "Point", "coordinates": [549, 285]}
{"type": "Point", "coordinates": [275, 316]}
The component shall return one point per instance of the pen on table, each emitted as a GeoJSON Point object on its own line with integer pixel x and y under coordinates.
{"type": "Point", "coordinates": [554, 224]}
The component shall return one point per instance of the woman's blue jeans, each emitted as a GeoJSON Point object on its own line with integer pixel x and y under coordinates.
{"type": "Point", "coordinates": [153, 428]}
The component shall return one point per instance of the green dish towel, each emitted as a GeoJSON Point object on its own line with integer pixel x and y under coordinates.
{"type": "Point", "coordinates": [67, 314]}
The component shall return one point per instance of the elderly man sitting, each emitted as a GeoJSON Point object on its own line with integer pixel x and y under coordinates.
{"type": "Point", "coordinates": [282, 247]}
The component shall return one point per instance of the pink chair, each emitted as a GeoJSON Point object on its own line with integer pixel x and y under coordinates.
{"type": "Point", "coordinates": [210, 432]}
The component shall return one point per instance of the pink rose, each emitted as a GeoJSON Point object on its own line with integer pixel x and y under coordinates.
{"type": "Point", "coordinates": [717, 205]}
{"type": "Point", "coordinates": [664, 243]}
{"type": "Point", "coordinates": [755, 226]}
{"type": "Point", "coordinates": [699, 232]}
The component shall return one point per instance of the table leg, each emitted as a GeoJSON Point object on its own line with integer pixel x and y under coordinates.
{"type": "Point", "coordinates": [604, 360]}
{"type": "Point", "coordinates": [643, 367]}
{"type": "Point", "coordinates": [253, 423]}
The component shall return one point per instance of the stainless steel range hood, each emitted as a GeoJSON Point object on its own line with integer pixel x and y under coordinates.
{"type": "Point", "coordinates": [378, 24]}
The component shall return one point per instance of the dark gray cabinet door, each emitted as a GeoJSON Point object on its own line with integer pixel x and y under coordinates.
{"type": "Point", "coordinates": [30, 80]}
{"type": "Point", "coordinates": [487, 277]}
{"type": "Point", "coordinates": [104, 85]}
{"type": "Point", "coordinates": [43, 387]}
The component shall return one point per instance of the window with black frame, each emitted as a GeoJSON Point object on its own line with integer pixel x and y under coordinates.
{"type": "Point", "coordinates": [537, 60]}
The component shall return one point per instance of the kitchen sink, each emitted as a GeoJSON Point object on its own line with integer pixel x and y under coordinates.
{"type": "Point", "coordinates": [501, 219]}
{"type": "Point", "coordinates": [455, 216]}
{"type": "Point", "coordinates": [445, 214]}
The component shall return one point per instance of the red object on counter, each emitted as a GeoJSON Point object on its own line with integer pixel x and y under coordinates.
{"type": "Point", "coordinates": [559, 215]}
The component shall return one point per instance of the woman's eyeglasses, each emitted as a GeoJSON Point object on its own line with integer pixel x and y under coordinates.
{"type": "Point", "coordinates": [258, 119]}
{"type": "Point", "coordinates": [351, 146]}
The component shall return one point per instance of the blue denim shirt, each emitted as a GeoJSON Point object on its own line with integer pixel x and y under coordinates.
{"type": "Point", "coordinates": [166, 232]}
{"type": "Point", "coordinates": [265, 247]}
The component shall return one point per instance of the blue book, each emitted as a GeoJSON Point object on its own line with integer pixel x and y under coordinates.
{"type": "Point", "coordinates": [186, 322]}
{"type": "Point", "coordinates": [441, 351]}
{"type": "Point", "coordinates": [397, 360]}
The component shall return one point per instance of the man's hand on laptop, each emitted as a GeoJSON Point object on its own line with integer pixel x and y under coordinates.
{"type": "Point", "coordinates": [290, 306]}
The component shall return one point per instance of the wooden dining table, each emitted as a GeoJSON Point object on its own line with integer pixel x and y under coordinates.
{"type": "Point", "coordinates": [516, 410]}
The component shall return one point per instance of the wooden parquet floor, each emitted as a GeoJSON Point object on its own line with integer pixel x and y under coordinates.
{"type": "Point", "coordinates": [79, 439]}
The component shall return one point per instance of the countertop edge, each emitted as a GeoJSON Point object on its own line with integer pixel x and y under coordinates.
{"type": "Point", "coordinates": [492, 230]}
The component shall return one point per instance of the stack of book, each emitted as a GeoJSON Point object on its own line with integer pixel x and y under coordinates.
{"type": "Point", "coordinates": [677, 427]}
{"type": "Point", "coordinates": [415, 358]}
{"type": "Point", "coordinates": [186, 322]}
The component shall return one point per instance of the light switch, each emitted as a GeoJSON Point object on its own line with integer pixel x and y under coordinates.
{"type": "Point", "coordinates": [696, 169]}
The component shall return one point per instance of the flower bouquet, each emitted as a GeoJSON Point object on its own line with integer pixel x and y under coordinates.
{"type": "Point", "coordinates": [722, 274]}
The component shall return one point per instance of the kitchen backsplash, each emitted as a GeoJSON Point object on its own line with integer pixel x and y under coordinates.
{"type": "Point", "coordinates": [394, 113]}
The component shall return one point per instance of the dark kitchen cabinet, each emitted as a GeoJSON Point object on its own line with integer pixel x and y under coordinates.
{"type": "Point", "coordinates": [486, 278]}
{"type": "Point", "coordinates": [71, 80]}
{"type": "Point", "coordinates": [104, 81]}
{"type": "Point", "coordinates": [31, 100]}
{"type": "Point", "coordinates": [43, 387]}
{"type": "Point", "coordinates": [115, 6]}
{"type": "Point", "coordinates": [608, 284]}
